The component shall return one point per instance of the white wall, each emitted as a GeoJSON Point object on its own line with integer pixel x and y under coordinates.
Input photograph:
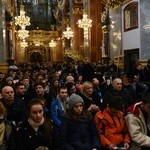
{"type": "Point", "coordinates": [131, 39]}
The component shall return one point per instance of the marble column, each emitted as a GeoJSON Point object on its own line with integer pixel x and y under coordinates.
{"type": "Point", "coordinates": [3, 48]}
{"type": "Point", "coordinates": [3, 54]}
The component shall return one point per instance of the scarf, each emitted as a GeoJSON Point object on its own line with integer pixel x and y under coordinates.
{"type": "Point", "coordinates": [35, 125]}
{"type": "Point", "coordinates": [2, 131]}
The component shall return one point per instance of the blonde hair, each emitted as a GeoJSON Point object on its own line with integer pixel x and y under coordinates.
{"type": "Point", "coordinates": [3, 110]}
{"type": "Point", "coordinates": [85, 86]}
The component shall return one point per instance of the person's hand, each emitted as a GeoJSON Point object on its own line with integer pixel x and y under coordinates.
{"type": "Point", "coordinates": [112, 147]}
{"type": "Point", "coordinates": [126, 145]}
{"type": "Point", "coordinates": [93, 108]}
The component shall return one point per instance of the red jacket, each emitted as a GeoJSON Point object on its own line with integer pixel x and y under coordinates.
{"type": "Point", "coordinates": [112, 129]}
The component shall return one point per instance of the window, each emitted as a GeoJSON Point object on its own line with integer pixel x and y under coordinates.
{"type": "Point", "coordinates": [131, 16]}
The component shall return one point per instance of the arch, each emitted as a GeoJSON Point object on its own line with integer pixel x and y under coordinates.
{"type": "Point", "coordinates": [36, 57]}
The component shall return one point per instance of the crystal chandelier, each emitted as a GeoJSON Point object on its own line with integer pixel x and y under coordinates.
{"type": "Point", "coordinates": [22, 20]}
{"type": "Point", "coordinates": [22, 34]}
{"type": "Point", "coordinates": [52, 43]}
{"type": "Point", "coordinates": [24, 44]}
{"type": "Point", "coordinates": [68, 33]}
{"type": "Point", "coordinates": [85, 23]}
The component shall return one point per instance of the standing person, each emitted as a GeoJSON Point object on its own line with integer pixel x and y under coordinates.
{"type": "Point", "coordinates": [77, 130]}
{"type": "Point", "coordinates": [7, 139]}
{"type": "Point", "coordinates": [36, 131]}
{"type": "Point", "coordinates": [138, 123]}
{"type": "Point", "coordinates": [111, 126]}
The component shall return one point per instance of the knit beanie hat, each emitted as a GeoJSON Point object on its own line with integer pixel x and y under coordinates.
{"type": "Point", "coordinates": [9, 79]}
{"type": "Point", "coordinates": [74, 99]}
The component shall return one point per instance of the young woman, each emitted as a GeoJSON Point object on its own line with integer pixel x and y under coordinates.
{"type": "Point", "coordinates": [36, 131]}
{"type": "Point", "coordinates": [7, 140]}
{"type": "Point", "coordinates": [77, 130]}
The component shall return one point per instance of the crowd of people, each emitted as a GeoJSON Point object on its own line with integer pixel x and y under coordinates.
{"type": "Point", "coordinates": [74, 106]}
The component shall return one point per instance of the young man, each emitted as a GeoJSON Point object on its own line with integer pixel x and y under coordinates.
{"type": "Point", "coordinates": [138, 123]}
{"type": "Point", "coordinates": [59, 106]}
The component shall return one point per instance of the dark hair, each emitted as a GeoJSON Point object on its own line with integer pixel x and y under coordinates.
{"type": "Point", "coordinates": [86, 115]}
{"type": "Point", "coordinates": [146, 98]}
{"type": "Point", "coordinates": [34, 101]}
{"type": "Point", "coordinates": [69, 85]}
{"type": "Point", "coordinates": [39, 83]}
{"type": "Point", "coordinates": [47, 123]}
{"type": "Point", "coordinates": [61, 87]}
{"type": "Point", "coordinates": [115, 102]}
{"type": "Point", "coordinates": [18, 84]}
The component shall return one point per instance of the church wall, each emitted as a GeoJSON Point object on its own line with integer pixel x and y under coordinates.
{"type": "Point", "coordinates": [145, 33]}
{"type": "Point", "coordinates": [131, 39]}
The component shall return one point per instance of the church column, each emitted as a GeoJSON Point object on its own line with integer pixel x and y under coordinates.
{"type": "Point", "coordinates": [3, 48]}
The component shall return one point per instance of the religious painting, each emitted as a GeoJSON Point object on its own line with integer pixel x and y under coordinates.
{"type": "Point", "coordinates": [131, 16]}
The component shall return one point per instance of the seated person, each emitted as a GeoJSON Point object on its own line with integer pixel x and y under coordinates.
{"type": "Point", "coordinates": [78, 131]}
{"type": "Point", "coordinates": [7, 139]}
{"type": "Point", "coordinates": [111, 126]}
{"type": "Point", "coordinates": [59, 106]}
{"type": "Point", "coordinates": [138, 123]}
{"type": "Point", "coordinates": [36, 131]}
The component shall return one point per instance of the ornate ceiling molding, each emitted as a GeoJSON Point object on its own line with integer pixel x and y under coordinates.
{"type": "Point", "coordinates": [115, 3]}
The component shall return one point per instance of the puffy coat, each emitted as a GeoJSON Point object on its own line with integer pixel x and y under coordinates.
{"type": "Point", "coordinates": [79, 135]}
{"type": "Point", "coordinates": [28, 139]}
{"type": "Point", "coordinates": [137, 127]}
{"type": "Point", "coordinates": [112, 129]}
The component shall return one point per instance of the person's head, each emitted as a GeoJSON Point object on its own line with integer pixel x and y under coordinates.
{"type": "Point", "coordinates": [55, 82]}
{"type": "Point", "coordinates": [146, 103]}
{"type": "Point", "coordinates": [39, 88]}
{"type": "Point", "coordinates": [8, 93]}
{"type": "Point", "coordinates": [35, 110]}
{"type": "Point", "coordinates": [20, 88]}
{"type": "Point", "coordinates": [69, 79]}
{"type": "Point", "coordinates": [95, 82]}
{"type": "Point", "coordinates": [26, 81]}
{"type": "Point", "coordinates": [9, 81]}
{"type": "Point", "coordinates": [87, 88]}
{"type": "Point", "coordinates": [117, 84]}
{"type": "Point", "coordinates": [76, 103]}
{"type": "Point", "coordinates": [3, 112]}
{"type": "Point", "coordinates": [115, 105]}
{"type": "Point", "coordinates": [62, 93]}
{"type": "Point", "coordinates": [71, 88]}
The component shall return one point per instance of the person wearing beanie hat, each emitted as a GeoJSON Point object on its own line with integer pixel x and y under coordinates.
{"type": "Point", "coordinates": [74, 99]}
{"type": "Point", "coordinates": [9, 81]}
{"type": "Point", "coordinates": [77, 129]}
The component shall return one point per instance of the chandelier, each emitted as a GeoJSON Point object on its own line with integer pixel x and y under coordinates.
{"type": "Point", "coordinates": [22, 20]}
{"type": "Point", "coordinates": [52, 43]}
{"type": "Point", "coordinates": [22, 34]}
{"type": "Point", "coordinates": [24, 44]}
{"type": "Point", "coordinates": [68, 33]}
{"type": "Point", "coordinates": [85, 23]}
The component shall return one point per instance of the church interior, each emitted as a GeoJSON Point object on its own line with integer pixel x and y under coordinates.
{"type": "Point", "coordinates": [57, 30]}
